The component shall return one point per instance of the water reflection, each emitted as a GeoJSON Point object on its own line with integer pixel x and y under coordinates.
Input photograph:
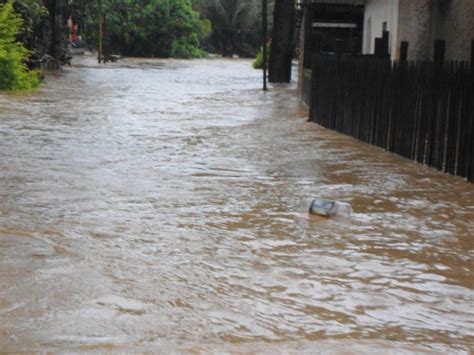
{"type": "Point", "coordinates": [154, 204]}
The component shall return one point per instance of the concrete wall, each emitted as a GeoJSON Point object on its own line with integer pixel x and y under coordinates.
{"type": "Point", "coordinates": [376, 13]}
{"type": "Point", "coordinates": [415, 26]}
{"type": "Point", "coordinates": [423, 21]}
{"type": "Point", "coordinates": [454, 22]}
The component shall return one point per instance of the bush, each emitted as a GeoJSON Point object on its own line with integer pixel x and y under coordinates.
{"type": "Point", "coordinates": [14, 74]}
{"type": "Point", "coordinates": [258, 62]}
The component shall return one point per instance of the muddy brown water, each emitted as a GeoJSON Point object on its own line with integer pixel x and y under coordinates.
{"type": "Point", "coordinates": [160, 204]}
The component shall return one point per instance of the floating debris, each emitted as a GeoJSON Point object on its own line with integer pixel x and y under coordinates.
{"type": "Point", "coordinates": [327, 208]}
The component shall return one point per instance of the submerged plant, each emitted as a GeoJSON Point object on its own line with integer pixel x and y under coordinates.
{"type": "Point", "coordinates": [258, 62]}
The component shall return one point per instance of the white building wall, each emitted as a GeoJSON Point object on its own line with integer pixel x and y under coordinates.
{"type": "Point", "coordinates": [376, 13]}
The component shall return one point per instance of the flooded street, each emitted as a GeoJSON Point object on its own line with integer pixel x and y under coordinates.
{"type": "Point", "coordinates": [160, 204]}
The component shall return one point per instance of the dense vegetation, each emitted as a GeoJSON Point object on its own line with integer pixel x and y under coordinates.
{"type": "Point", "coordinates": [177, 28]}
{"type": "Point", "coordinates": [154, 28]}
{"type": "Point", "coordinates": [14, 74]}
{"type": "Point", "coordinates": [151, 28]}
{"type": "Point", "coordinates": [236, 25]}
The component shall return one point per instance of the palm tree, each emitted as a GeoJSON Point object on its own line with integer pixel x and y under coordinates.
{"type": "Point", "coordinates": [236, 26]}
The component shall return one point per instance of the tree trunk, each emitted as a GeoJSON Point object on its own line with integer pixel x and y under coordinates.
{"type": "Point", "coordinates": [282, 41]}
{"type": "Point", "coordinates": [55, 23]}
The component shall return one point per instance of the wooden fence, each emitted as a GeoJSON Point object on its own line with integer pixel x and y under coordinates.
{"type": "Point", "coordinates": [423, 111]}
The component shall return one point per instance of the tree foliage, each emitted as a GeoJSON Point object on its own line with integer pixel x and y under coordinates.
{"type": "Point", "coordinates": [35, 21]}
{"type": "Point", "coordinates": [236, 25]}
{"type": "Point", "coordinates": [13, 72]}
{"type": "Point", "coordinates": [35, 27]}
{"type": "Point", "coordinates": [153, 28]}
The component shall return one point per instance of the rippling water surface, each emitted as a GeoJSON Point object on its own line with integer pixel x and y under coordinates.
{"type": "Point", "coordinates": [153, 204]}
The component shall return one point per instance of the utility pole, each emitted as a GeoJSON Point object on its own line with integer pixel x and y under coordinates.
{"type": "Point", "coordinates": [104, 36]}
{"type": "Point", "coordinates": [100, 49]}
{"type": "Point", "coordinates": [101, 44]}
{"type": "Point", "coordinates": [264, 35]}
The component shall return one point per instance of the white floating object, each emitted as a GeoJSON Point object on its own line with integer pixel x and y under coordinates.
{"type": "Point", "coordinates": [327, 208]}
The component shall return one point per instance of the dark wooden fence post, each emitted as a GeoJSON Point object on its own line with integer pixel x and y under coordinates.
{"type": "Point", "coordinates": [378, 47]}
{"type": "Point", "coordinates": [385, 43]}
{"type": "Point", "coordinates": [404, 51]}
{"type": "Point", "coordinates": [472, 53]}
{"type": "Point", "coordinates": [439, 50]}
{"type": "Point", "coordinates": [338, 46]}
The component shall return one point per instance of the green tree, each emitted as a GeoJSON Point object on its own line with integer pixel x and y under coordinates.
{"type": "Point", "coordinates": [34, 15]}
{"type": "Point", "coordinates": [236, 25]}
{"type": "Point", "coordinates": [13, 72]}
{"type": "Point", "coordinates": [150, 28]}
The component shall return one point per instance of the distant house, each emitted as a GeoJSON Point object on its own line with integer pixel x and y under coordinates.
{"type": "Point", "coordinates": [328, 26]}
{"type": "Point", "coordinates": [353, 26]}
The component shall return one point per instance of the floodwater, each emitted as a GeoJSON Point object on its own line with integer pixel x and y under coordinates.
{"type": "Point", "coordinates": [161, 205]}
